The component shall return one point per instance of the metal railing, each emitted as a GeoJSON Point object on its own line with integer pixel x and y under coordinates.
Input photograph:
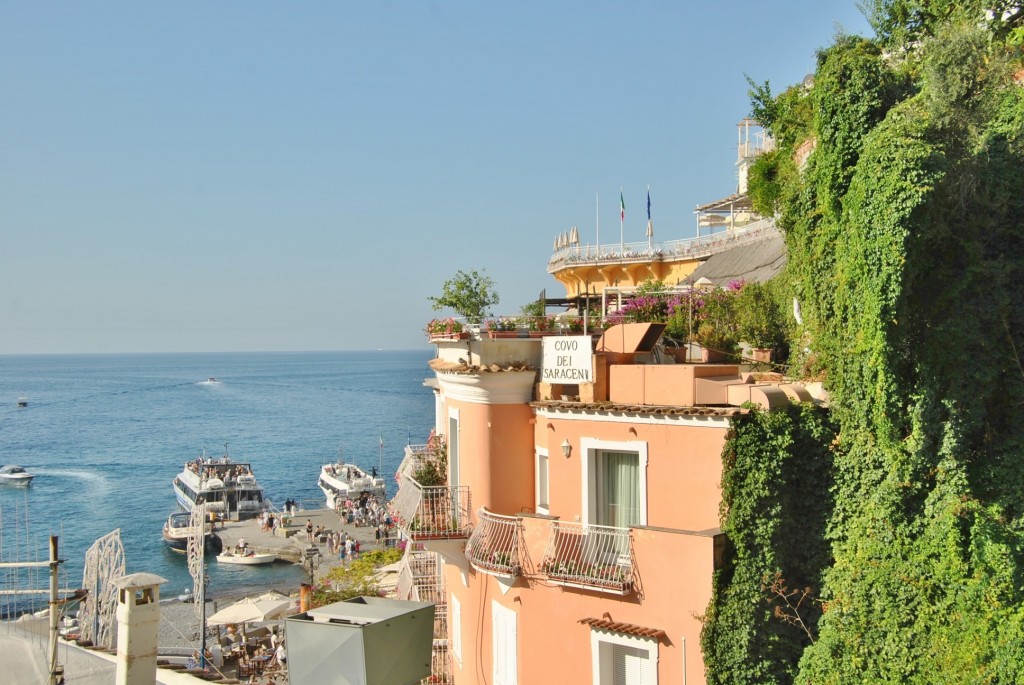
{"type": "Point", "coordinates": [687, 248]}
{"type": "Point", "coordinates": [440, 666]}
{"type": "Point", "coordinates": [434, 512]}
{"type": "Point", "coordinates": [495, 544]}
{"type": "Point", "coordinates": [591, 556]}
{"type": "Point", "coordinates": [415, 456]}
{"type": "Point", "coordinates": [420, 578]}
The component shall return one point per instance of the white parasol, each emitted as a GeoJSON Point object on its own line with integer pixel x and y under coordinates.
{"type": "Point", "coordinates": [250, 610]}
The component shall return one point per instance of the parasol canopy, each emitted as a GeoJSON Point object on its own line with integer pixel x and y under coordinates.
{"type": "Point", "coordinates": [250, 610]}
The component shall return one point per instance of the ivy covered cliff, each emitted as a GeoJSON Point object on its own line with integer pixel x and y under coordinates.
{"type": "Point", "coordinates": [898, 182]}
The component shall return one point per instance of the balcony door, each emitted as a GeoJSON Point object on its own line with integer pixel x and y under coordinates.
{"type": "Point", "coordinates": [617, 489]}
{"type": "Point", "coordinates": [614, 483]}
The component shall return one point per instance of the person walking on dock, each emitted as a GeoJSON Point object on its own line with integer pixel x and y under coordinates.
{"type": "Point", "coordinates": [309, 530]}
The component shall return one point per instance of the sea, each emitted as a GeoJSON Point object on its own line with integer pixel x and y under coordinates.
{"type": "Point", "coordinates": [106, 434]}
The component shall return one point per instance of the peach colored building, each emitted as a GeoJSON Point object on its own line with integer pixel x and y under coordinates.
{"type": "Point", "coordinates": [575, 537]}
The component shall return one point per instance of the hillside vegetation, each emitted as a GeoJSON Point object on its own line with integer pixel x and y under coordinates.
{"type": "Point", "coordinates": [889, 545]}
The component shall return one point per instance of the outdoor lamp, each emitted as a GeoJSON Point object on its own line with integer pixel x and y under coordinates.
{"type": "Point", "coordinates": [566, 448]}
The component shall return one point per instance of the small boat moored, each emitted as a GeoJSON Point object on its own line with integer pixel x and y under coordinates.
{"type": "Point", "coordinates": [12, 474]}
{"type": "Point", "coordinates": [178, 529]}
{"type": "Point", "coordinates": [246, 558]}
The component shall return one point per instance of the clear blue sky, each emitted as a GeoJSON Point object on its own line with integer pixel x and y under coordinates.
{"type": "Point", "coordinates": [234, 176]}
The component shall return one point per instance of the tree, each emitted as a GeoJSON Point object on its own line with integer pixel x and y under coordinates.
{"type": "Point", "coordinates": [468, 294]}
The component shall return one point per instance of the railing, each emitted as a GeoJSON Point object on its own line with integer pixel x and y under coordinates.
{"type": "Point", "coordinates": [435, 512]}
{"type": "Point", "coordinates": [420, 578]}
{"type": "Point", "coordinates": [589, 556]}
{"type": "Point", "coordinates": [495, 544]}
{"type": "Point", "coordinates": [415, 456]}
{"type": "Point", "coordinates": [688, 248]}
{"type": "Point", "coordinates": [440, 666]}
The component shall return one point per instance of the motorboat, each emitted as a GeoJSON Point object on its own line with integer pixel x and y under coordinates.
{"type": "Point", "coordinates": [23, 401]}
{"type": "Point", "coordinates": [12, 474]}
{"type": "Point", "coordinates": [340, 481]}
{"type": "Point", "coordinates": [211, 380]}
{"type": "Point", "coordinates": [228, 488]}
{"type": "Point", "coordinates": [178, 529]}
{"type": "Point", "coordinates": [246, 558]}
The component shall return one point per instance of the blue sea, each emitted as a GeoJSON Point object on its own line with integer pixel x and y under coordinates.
{"type": "Point", "coordinates": [106, 434]}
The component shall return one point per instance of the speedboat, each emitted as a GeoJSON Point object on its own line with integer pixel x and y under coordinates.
{"type": "Point", "coordinates": [22, 401]}
{"type": "Point", "coordinates": [228, 488]}
{"type": "Point", "coordinates": [246, 558]}
{"type": "Point", "coordinates": [178, 529]}
{"type": "Point", "coordinates": [12, 474]}
{"type": "Point", "coordinates": [340, 481]}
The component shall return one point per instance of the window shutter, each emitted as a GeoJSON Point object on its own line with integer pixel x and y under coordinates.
{"type": "Point", "coordinates": [456, 628]}
{"type": "Point", "coordinates": [503, 645]}
{"type": "Point", "coordinates": [630, 666]}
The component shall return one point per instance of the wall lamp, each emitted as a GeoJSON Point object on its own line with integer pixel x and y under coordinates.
{"type": "Point", "coordinates": [566, 448]}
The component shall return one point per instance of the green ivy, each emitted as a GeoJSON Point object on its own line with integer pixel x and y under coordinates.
{"type": "Point", "coordinates": [905, 232]}
{"type": "Point", "coordinates": [776, 498]}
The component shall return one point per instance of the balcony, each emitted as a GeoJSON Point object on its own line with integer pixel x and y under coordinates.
{"type": "Point", "coordinates": [495, 544]}
{"type": "Point", "coordinates": [436, 512]}
{"type": "Point", "coordinates": [590, 557]}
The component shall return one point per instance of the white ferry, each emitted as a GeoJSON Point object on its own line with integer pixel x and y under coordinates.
{"type": "Point", "coordinates": [340, 481]}
{"type": "Point", "coordinates": [228, 487]}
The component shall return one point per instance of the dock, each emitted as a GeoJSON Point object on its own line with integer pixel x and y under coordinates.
{"type": "Point", "coordinates": [289, 541]}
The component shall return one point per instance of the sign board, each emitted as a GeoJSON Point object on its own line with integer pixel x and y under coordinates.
{"type": "Point", "coordinates": [567, 359]}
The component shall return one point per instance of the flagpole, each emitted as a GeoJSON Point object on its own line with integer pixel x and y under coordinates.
{"type": "Point", "coordinates": [622, 224]}
{"type": "Point", "coordinates": [380, 456]}
{"type": "Point", "coordinates": [597, 221]}
{"type": "Point", "coordinates": [650, 228]}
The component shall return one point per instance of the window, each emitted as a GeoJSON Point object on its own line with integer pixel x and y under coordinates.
{"type": "Point", "coordinates": [455, 631]}
{"type": "Point", "coordinates": [453, 447]}
{"type": "Point", "coordinates": [543, 489]}
{"type": "Point", "coordinates": [617, 490]}
{"type": "Point", "coordinates": [620, 659]}
{"type": "Point", "coordinates": [503, 645]}
{"type": "Point", "coordinates": [614, 483]}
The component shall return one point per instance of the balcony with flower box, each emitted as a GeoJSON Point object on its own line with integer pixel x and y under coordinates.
{"type": "Point", "coordinates": [589, 557]}
{"type": "Point", "coordinates": [496, 543]}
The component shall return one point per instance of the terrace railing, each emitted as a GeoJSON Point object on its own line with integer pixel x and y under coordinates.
{"type": "Point", "coordinates": [688, 248]}
{"type": "Point", "coordinates": [495, 544]}
{"type": "Point", "coordinates": [589, 556]}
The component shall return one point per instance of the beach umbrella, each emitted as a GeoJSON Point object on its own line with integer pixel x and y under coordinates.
{"type": "Point", "coordinates": [250, 610]}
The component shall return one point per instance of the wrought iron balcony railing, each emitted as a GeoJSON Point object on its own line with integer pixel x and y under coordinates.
{"type": "Point", "coordinates": [436, 512]}
{"type": "Point", "coordinates": [589, 556]}
{"type": "Point", "coordinates": [495, 544]}
{"type": "Point", "coordinates": [440, 666]}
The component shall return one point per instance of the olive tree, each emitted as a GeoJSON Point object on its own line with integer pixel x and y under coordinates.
{"type": "Point", "coordinates": [469, 294]}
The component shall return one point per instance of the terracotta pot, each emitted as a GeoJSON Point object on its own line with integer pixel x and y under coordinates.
{"type": "Point", "coordinates": [761, 354]}
{"type": "Point", "coordinates": [712, 356]}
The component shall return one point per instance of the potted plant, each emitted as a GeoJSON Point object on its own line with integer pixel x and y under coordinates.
{"type": "Point", "coordinates": [503, 327]}
{"type": "Point", "coordinates": [714, 326]}
{"type": "Point", "coordinates": [445, 329]}
{"type": "Point", "coordinates": [759, 320]}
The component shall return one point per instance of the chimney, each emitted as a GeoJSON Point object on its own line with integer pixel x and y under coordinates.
{"type": "Point", "coordinates": [138, 618]}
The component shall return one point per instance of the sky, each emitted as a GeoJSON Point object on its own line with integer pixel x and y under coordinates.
{"type": "Point", "coordinates": [265, 176]}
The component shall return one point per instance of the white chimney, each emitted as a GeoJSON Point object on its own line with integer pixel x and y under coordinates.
{"type": "Point", "coordinates": [138, 618]}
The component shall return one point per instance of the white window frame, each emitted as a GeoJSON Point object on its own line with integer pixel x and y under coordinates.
{"type": "Point", "coordinates": [543, 494]}
{"type": "Point", "coordinates": [601, 663]}
{"type": "Point", "coordinates": [454, 453]}
{"type": "Point", "coordinates": [589, 447]}
{"type": "Point", "coordinates": [504, 640]}
{"type": "Point", "coordinates": [455, 630]}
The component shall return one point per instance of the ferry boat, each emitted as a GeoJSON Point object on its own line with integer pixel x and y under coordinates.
{"type": "Point", "coordinates": [340, 481]}
{"type": "Point", "coordinates": [177, 531]}
{"type": "Point", "coordinates": [12, 474]}
{"type": "Point", "coordinates": [228, 487]}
